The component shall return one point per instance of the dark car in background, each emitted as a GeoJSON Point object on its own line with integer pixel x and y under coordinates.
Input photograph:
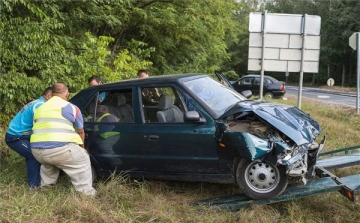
{"type": "Point", "coordinates": [272, 87]}
{"type": "Point", "coordinates": [190, 127]}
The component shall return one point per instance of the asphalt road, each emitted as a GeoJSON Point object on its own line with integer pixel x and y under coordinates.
{"type": "Point", "coordinates": [343, 98]}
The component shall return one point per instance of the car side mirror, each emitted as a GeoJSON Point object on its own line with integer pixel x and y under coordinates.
{"type": "Point", "coordinates": [247, 93]}
{"type": "Point", "coordinates": [194, 116]}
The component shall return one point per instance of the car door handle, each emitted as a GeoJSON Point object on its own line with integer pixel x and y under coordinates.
{"type": "Point", "coordinates": [153, 137]}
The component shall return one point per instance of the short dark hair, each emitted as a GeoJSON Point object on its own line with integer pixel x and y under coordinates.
{"type": "Point", "coordinates": [94, 77]}
{"type": "Point", "coordinates": [142, 71]}
{"type": "Point", "coordinates": [47, 90]}
{"type": "Point", "coordinates": [59, 88]}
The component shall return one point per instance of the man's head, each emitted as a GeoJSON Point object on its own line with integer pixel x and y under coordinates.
{"type": "Point", "coordinates": [102, 109]}
{"type": "Point", "coordinates": [143, 74]}
{"type": "Point", "coordinates": [61, 90]}
{"type": "Point", "coordinates": [47, 94]}
{"type": "Point", "coordinates": [94, 80]}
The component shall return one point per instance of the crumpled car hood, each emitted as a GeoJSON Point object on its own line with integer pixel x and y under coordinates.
{"type": "Point", "coordinates": [291, 121]}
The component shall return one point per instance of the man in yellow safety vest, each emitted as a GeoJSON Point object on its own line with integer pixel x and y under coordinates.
{"type": "Point", "coordinates": [57, 142]}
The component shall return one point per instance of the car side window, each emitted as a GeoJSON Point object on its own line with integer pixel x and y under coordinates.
{"type": "Point", "coordinates": [246, 81]}
{"type": "Point", "coordinates": [257, 81]}
{"type": "Point", "coordinates": [267, 81]}
{"type": "Point", "coordinates": [89, 111]}
{"type": "Point", "coordinates": [162, 105]}
{"type": "Point", "coordinates": [117, 103]}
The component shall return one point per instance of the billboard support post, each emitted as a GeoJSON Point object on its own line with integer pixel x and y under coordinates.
{"type": "Point", "coordinates": [354, 43]}
{"type": "Point", "coordinates": [301, 77]}
{"type": "Point", "coordinates": [263, 33]}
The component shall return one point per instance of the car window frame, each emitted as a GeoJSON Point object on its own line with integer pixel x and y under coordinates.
{"type": "Point", "coordinates": [178, 89]}
{"type": "Point", "coordinates": [246, 83]}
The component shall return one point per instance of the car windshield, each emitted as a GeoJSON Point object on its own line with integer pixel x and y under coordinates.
{"type": "Point", "coordinates": [216, 96]}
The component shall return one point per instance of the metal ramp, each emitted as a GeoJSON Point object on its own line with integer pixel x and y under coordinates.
{"type": "Point", "coordinates": [349, 186]}
{"type": "Point", "coordinates": [344, 160]}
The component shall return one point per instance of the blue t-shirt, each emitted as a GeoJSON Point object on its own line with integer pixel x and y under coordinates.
{"type": "Point", "coordinates": [23, 120]}
{"type": "Point", "coordinates": [102, 96]}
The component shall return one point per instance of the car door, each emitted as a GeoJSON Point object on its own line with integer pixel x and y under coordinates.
{"type": "Point", "coordinates": [244, 83]}
{"type": "Point", "coordinates": [171, 147]}
{"type": "Point", "coordinates": [107, 133]}
{"type": "Point", "coordinates": [255, 88]}
{"type": "Point", "coordinates": [222, 79]}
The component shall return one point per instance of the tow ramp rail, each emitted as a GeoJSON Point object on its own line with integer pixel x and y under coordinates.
{"type": "Point", "coordinates": [349, 186]}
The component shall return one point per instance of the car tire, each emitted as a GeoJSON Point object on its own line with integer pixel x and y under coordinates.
{"type": "Point", "coordinates": [261, 180]}
{"type": "Point", "coordinates": [269, 95]}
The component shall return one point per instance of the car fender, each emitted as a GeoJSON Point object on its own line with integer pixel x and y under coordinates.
{"type": "Point", "coordinates": [252, 147]}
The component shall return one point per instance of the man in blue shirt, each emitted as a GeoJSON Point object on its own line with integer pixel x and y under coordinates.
{"type": "Point", "coordinates": [18, 137]}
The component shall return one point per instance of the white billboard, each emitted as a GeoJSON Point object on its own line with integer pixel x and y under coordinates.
{"type": "Point", "coordinates": [285, 38]}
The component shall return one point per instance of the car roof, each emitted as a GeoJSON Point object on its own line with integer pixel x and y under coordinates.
{"type": "Point", "coordinates": [169, 78]}
{"type": "Point", "coordinates": [258, 75]}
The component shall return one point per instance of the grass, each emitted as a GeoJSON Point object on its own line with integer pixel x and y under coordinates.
{"type": "Point", "coordinates": [120, 199]}
{"type": "Point", "coordinates": [339, 88]}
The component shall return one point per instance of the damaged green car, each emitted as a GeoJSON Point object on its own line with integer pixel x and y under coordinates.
{"type": "Point", "coordinates": [191, 127]}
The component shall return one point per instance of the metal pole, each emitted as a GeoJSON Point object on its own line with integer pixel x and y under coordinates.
{"type": "Point", "coordinates": [262, 55]}
{"type": "Point", "coordinates": [358, 72]}
{"type": "Point", "coordinates": [302, 60]}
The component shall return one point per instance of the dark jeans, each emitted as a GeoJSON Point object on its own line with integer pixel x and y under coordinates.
{"type": "Point", "coordinates": [21, 145]}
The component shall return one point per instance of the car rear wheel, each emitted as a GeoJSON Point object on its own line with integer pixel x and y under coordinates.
{"type": "Point", "coordinates": [261, 180]}
{"type": "Point", "coordinates": [269, 95]}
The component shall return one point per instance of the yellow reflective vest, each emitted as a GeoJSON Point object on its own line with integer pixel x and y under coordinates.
{"type": "Point", "coordinates": [51, 126]}
{"type": "Point", "coordinates": [105, 134]}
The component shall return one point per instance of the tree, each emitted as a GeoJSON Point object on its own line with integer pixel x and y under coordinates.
{"type": "Point", "coordinates": [48, 41]}
{"type": "Point", "coordinates": [39, 49]}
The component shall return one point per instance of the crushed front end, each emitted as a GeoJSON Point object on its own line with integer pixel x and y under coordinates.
{"type": "Point", "coordinates": [277, 134]}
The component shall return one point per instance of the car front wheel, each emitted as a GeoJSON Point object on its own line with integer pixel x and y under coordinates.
{"type": "Point", "coordinates": [261, 180]}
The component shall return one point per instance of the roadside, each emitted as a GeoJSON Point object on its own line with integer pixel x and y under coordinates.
{"type": "Point", "coordinates": [334, 89]}
{"type": "Point", "coordinates": [338, 88]}
{"type": "Point", "coordinates": [325, 87]}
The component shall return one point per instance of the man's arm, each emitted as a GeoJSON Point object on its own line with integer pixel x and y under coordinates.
{"type": "Point", "coordinates": [79, 126]}
{"type": "Point", "coordinates": [82, 135]}
{"type": "Point", "coordinates": [73, 113]}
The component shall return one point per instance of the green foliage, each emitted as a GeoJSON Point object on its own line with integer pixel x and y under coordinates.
{"type": "Point", "coordinates": [39, 46]}
{"type": "Point", "coordinates": [231, 75]}
{"type": "Point", "coordinates": [47, 41]}
{"type": "Point", "coordinates": [97, 59]}
{"type": "Point", "coordinates": [28, 55]}
{"type": "Point", "coordinates": [69, 41]}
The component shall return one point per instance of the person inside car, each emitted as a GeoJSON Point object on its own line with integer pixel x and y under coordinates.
{"type": "Point", "coordinates": [94, 81]}
{"type": "Point", "coordinates": [150, 96]}
{"type": "Point", "coordinates": [105, 137]}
